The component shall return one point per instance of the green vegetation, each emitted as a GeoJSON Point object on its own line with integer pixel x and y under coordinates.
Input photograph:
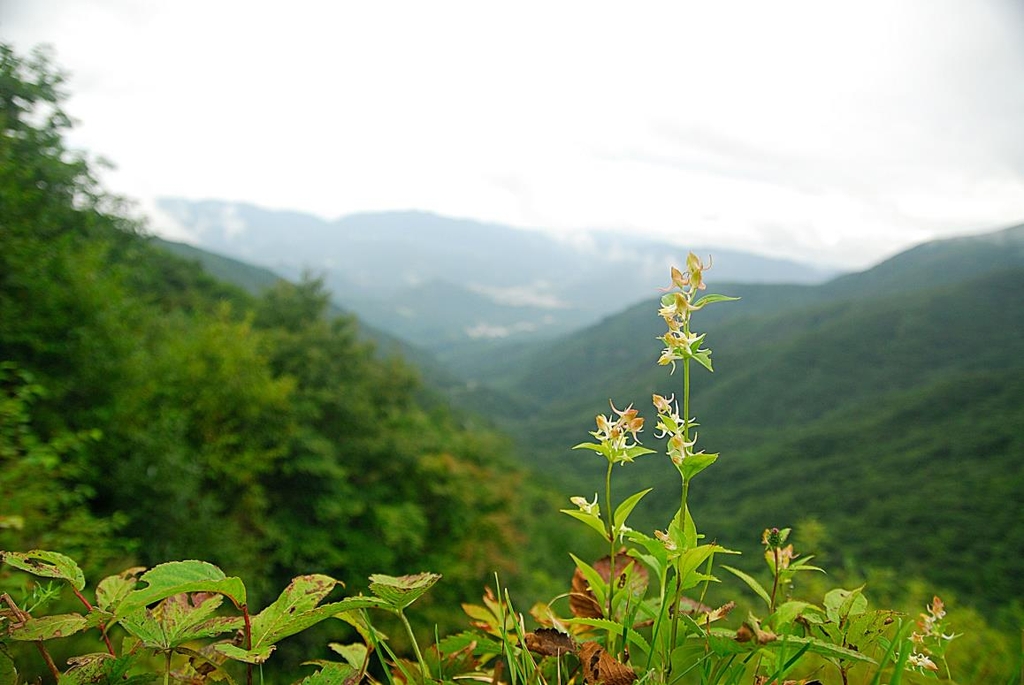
{"type": "Point", "coordinates": [150, 412]}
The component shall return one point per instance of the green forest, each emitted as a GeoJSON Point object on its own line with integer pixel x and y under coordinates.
{"type": "Point", "coordinates": [157, 404]}
{"type": "Point", "coordinates": [151, 412]}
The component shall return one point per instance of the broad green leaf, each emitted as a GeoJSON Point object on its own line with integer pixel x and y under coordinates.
{"type": "Point", "coordinates": [354, 654]}
{"type": "Point", "coordinates": [248, 656]}
{"type": "Point", "coordinates": [401, 591]}
{"type": "Point", "coordinates": [840, 603]}
{"type": "Point", "coordinates": [695, 463]}
{"type": "Point", "coordinates": [51, 627]}
{"type": "Point", "coordinates": [751, 582]}
{"type": "Point", "coordinates": [176, 577]}
{"type": "Point", "coordinates": [113, 589]}
{"type": "Point", "coordinates": [589, 519]}
{"type": "Point", "coordinates": [711, 298]}
{"type": "Point", "coordinates": [786, 614]}
{"type": "Point", "coordinates": [623, 511]}
{"type": "Point", "coordinates": [293, 611]}
{"type": "Point", "coordinates": [691, 560]}
{"type": "Point", "coordinates": [47, 565]}
{"type": "Point", "coordinates": [8, 672]}
{"type": "Point", "coordinates": [594, 447]}
{"type": "Point", "coordinates": [332, 673]}
{"type": "Point", "coordinates": [597, 584]}
{"type": "Point", "coordinates": [180, 619]}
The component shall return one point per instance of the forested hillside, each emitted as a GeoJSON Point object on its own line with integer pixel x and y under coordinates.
{"type": "Point", "coordinates": [150, 412]}
{"type": "Point", "coordinates": [882, 409]}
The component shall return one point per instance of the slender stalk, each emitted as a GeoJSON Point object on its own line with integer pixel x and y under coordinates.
{"type": "Point", "coordinates": [248, 641]}
{"type": "Point", "coordinates": [775, 580]}
{"type": "Point", "coordinates": [415, 645]}
{"type": "Point", "coordinates": [102, 626]}
{"type": "Point", "coordinates": [611, 538]}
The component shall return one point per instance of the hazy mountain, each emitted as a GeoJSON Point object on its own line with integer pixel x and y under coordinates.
{"type": "Point", "coordinates": [453, 285]}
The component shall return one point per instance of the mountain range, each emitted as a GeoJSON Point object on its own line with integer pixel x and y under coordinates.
{"type": "Point", "coordinates": [454, 286]}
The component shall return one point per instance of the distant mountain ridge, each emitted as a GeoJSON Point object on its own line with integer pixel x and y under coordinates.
{"type": "Point", "coordinates": [445, 284]}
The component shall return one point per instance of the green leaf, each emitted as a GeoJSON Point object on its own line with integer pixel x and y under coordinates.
{"type": "Point", "coordinates": [113, 589]}
{"type": "Point", "coordinates": [589, 446]}
{"type": "Point", "coordinates": [786, 613]}
{"type": "Point", "coordinates": [589, 519]}
{"type": "Point", "coordinates": [297, 609]}
{"type": "Point", "coordinates": [248, 656]}
{"type": "Point", "coordinates": [181, 618]}
{"type": "Point", "coordinates": [51, 627]}
{"type": "Point", "coordinates": [401, 591]}
{"type": "Point", "coordinates": [8, 672]}
{"type": "Point", "coordinates": [623, 511]}
{"type": "Point", "coordinates": [751, 582]}
{"type": "Point", "coordinates": [615, 628]}
{"type": "Point", "coordinates": [47, 565]}
{"type": "Point", "coordinates": [711, 298]}
{"type": "Point", "coordinates": [354, 654]}
{"type": "Point", "coordinates": [695, 463]}
{"type": "Point", "coordinates": [840, 603]}
{"type": "Point", "coordinates": [332, 673]}
{"type": "Point", "coordinates": [597, 584]}
{"type": "Point", "coordinates": [176, 577]}
{"type": "Point", "coordinates": [691, 560]}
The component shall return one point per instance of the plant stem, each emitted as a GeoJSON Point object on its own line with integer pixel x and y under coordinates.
{"type": "Point", "coordinates": [248, 641]}
{"type": "Point", "coordinates": [611, 551]}
{"type": "Point", "coordinates": [775, 581]}
{"type": "Point", "coordinates": [415, 645]}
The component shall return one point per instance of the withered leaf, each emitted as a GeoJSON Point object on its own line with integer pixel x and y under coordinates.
{"type": "Point", "coordinates": [581, 599]}
{"type": "Point", "coordinates": [601, 668]}
{"type": "Point", "coordinates": [550, 642]}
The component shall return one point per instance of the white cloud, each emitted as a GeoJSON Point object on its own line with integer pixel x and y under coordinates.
{"type": "Point", "coordinates": [831, 131]}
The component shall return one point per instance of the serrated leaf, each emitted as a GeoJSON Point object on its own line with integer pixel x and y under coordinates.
{"type": "Point", "coordinates": [751, 582]}
{"type": "Point", "coordinates": [248, 656]}
{"type": "Point", "coordinates": [623, 511]}
{"type": "Point", "coordinates": [589, 519]}
{"type": "Point", "coordinates": [294, 610]}
{"type": "Point", "coordinates": [47, 565]}
{"type": "Point", "coordinates": [50, 627]}
{"type": "Point", "coordinates": [840, 603]}
{"type": "Point", "coordinates": [401, 591]}
{"type": "Point", "coordinates": [113, 589]}
{"type": "Point", "coordinates": [176, 577]}
{"type": "Point", "coordinates": [332, 673]}
{"type": "Point", "coordinates": [180, 619]}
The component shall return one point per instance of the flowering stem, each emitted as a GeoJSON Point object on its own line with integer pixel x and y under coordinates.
{"type": "Point", "coordinates": [611, 548]}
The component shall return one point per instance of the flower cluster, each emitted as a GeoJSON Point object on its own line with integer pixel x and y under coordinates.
{"type": "Point", "coordinates": [929, 640]}
{"type": "Point", "coordinates": [617, 436]}
{"type": "Point", "coordinates": [676, 308]}
{"type": "Point", "coordinates": [672, 426]}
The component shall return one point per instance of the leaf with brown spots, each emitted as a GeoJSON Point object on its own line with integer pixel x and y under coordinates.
{"type": "Point", "coordinates": [600, 667]}
{"type": "Point", "coordinates": [582, 601]}
{"type": "Point", "coordinates": [550, 642]}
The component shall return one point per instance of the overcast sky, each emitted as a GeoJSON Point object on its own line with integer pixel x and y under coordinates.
{"type": "Point", "coordinates": [839, 132]}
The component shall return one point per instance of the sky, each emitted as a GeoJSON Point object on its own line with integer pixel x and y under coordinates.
{"type": "Point", "coordinates": [834, 132]}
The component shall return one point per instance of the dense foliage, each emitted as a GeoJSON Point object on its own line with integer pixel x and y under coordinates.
{"type": "Point", "coordinates": [150, 412]}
